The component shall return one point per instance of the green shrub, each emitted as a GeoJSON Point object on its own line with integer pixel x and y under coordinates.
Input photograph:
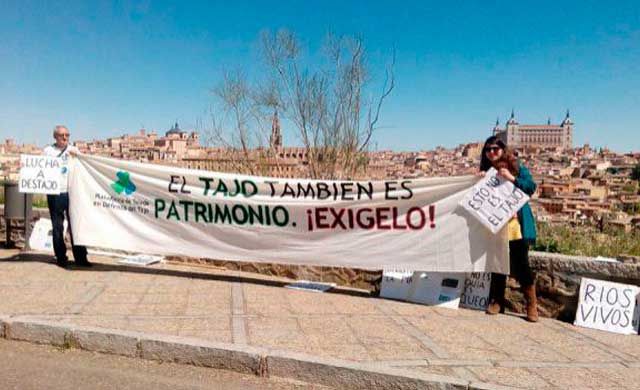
{"type": "Point", "coordinates": [586, 241]}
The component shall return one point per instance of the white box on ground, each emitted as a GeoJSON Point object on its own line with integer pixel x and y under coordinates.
{"type": "Point", "coordinates": [429, 288]}
{"type": "Point", "coordinates": [396, 284]}
{"type": "Point", "coordinates": [608, 306]}
{"type": "Point", "coordinates": [476, 291]}
{"type": "Point", "coordinates": [437, 288]}
{"type": "Point", "coordinates": [493, 201]}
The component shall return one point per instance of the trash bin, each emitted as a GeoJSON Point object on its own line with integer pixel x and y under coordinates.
{"type": "Point", "coordinates": [17, 206]}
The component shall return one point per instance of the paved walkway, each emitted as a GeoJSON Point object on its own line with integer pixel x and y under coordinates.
{"type": "Point", "coordinates": [248, 309]}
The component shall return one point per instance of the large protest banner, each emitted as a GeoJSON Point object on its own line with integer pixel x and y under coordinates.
{"type": "Point", "coordinates": [415, 224]}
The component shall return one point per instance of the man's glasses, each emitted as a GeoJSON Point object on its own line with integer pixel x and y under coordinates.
{"type": "Point", "coordinates": [492, 149]}
{"type": "Point", "coordinates": [63, 135]}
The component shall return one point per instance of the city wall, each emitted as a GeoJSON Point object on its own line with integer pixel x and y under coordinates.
{"type": "Point", "coordinates": [558, 276]}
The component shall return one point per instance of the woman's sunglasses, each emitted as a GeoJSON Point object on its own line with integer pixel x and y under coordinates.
{"type": "Point", "coordinates": [492, 149]}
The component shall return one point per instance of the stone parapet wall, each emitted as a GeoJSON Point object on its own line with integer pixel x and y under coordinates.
{"type": "Point", "coordinates": [558, 276]}
{"type": "Point", "coordinates": [17, 225]}
{"type": "Point", "coordinates": [557, 282]}
{"type": "Point", "coordinates": [342, 276]}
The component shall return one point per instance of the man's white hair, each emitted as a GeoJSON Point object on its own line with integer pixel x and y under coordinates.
{"type": "Point", "coordinates": [58, 127]}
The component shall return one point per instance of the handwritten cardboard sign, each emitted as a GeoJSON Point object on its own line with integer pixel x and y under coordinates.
{"type": "Point", "coordinates": [40, 174]}
{"type": "Point", "coordinates": [608, 306]}
{"type": "Point", "coordinates": [476, 291]}
{"type": "Point", "coordinates": [494, 200]}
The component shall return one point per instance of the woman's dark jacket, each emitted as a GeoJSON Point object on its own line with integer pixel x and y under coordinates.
{"type": "Point", "coordinates": [525, 182]}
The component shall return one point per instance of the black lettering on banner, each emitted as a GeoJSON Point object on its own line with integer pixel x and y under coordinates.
{"type": "Point", "coordinates": [207, 184]}
{"type": "Point", "coordinates": [272, 186]}
{"type": "Point", "coordinates": [173, 181]}
{"type": "Point", "coordinates": [159, 206]}
{"type": "Point", "coordinates": [389, 186]}
{"type": "Point", "coordinates": [184, 183]}
{"type": "Point", "coordinates": [404, 184]}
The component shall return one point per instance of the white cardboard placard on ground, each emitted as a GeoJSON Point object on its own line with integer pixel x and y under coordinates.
{"type": "Point", "coordinates": [306, 285]}
{"type": "Point", "coordinates": [396, 284]}
{"type": "Point", "coordinates": [41, 238]}
{"type": "Point", "coordinates": [437, 288]}
{"type": "Point", "coordinates": [40, 174]}
{"type": "Point", "coordinates": [494, 200]}
{"type": "Point", "coordinates": [141, 260]}
{"type": "Point", "coordinates": [476, 291]}
{"type": "Point", "coordinates": [607, 306]}
{"type": "Point", "coordinates": [429, 288]}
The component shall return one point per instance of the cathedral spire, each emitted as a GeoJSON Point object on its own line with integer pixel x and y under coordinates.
{"type": "Point", "coordinates": [275, 141]}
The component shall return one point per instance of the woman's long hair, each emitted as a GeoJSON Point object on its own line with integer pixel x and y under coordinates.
{"type": "Point", "coordinates": [508, 159]}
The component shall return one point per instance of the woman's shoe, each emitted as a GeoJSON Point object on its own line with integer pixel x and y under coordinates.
{"type": "Point", "coordinates": [494, 307]}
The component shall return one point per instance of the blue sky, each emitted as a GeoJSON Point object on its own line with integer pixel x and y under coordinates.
{"type": "Point", "coordinates": [106, 68]}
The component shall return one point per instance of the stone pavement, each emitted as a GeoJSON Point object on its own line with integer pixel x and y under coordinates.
{"type": "Point", "coordinates": [251, 310]}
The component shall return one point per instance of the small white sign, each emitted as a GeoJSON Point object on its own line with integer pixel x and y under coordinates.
{"type": "Point", "coordinates": [476, 291]}
{"type": "Point", "coordinates": [40, 174]}
{"type": "Point", "coordinates": [607, 306]}
{"type": "Point", "coordinates": [141, 260]}
{"type": "Point", "coordinates": [306, 285]}
{"type": "Point", "coordinates": [494, 200]}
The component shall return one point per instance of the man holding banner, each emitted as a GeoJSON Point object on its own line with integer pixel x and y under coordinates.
{"type": "Point", "coordinates": [59, 204]}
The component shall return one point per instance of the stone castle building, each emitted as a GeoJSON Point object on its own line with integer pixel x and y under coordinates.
{"type": "Point", "coordinates": [536, 136]}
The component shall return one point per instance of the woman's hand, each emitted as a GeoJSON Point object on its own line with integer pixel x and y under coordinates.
{"type": "Point", "coordinates": [504, 172]}
{"type": "Point", "coordinates": [481, 173]}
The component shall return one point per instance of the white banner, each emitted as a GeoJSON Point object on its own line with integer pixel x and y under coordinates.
{"type": "Point", "coordinates": [40, 174]}
{"type": "Point", "coordinates": [415, 224]}
{"type": "Point", "coordinates": [494, 200]}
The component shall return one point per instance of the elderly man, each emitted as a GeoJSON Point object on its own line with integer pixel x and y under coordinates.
{"type": "Point", "coordinates": [59, 204]}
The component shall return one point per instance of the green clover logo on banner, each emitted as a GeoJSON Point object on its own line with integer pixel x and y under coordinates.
{"type": "Point", "coordinates": [123, 183]}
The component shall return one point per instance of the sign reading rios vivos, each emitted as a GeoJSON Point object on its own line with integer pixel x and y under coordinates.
{"type": "Point", "coordinates": [411, 223]}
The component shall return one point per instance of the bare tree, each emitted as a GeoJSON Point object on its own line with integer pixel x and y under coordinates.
{"type": "Point", "coordinates": [328, 101]}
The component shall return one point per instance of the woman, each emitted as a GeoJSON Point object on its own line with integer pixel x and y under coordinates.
{"type": "Point", "coordinates": [521, 228]}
